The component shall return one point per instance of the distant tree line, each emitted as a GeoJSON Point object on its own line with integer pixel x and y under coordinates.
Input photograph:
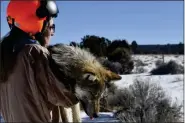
{"type": "Point", "coordinates": [160, 49]}
{"type": "Point", "coordinates": [101, 46]}
{"type": "Point", "coordinates": [117, 53]}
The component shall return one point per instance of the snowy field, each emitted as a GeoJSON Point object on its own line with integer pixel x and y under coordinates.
{"type": "Point", "coordinates": [172, 84]}
{"type": "Point", "coordinates": [150, 60]}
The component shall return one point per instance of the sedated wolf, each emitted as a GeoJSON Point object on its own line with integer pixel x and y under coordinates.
{"type": "Point", "coordinates": [82, 74]}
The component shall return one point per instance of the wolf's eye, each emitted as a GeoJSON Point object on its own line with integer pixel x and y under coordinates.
{"type": "Point", "coordinates": [90, 77]}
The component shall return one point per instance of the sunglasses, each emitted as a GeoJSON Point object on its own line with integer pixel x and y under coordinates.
{"type": "Point", "coordinates": [52, 27]}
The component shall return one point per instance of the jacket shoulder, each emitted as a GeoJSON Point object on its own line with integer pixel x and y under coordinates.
{"type": "Point", "coordinates": [34, 53]}
{"type": "Point", "coordinates": [35, 50]}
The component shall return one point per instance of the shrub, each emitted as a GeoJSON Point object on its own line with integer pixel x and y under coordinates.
{"type": "Point", "coordinates": [139, 66]}
{"type": "Point", "coordinates": [110, 90]}
{"type": "Point", "coordinates": [143, 102]}
{"type": "Point", "coordinates": [112, 66]}
{"type": "Point", "coordinates": [158, 63]}
{"type": "Point", "coordinates": [127, 66]}
{"type": "Point", "coordinates": [138, 62]}
{"type": "Point", "coordinates": [140, 70]}
{"type": "Point", "coordinates": [168, 68]}
{"type": "Point", "coordinates": [123, 56]}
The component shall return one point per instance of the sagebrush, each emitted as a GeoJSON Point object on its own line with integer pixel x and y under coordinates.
{"type": "Point", "coordinates": [168, 68]}
{"type": "Point", "coordinates": [143, 102]}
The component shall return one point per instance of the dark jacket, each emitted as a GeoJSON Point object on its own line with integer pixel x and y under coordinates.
{"type": "Point", "coordinates": [32, 90]}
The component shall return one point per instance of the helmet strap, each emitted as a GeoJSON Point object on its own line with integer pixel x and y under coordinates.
{"type": "Point", "coordinates": [11, 22]}
{"type": "Point", "coordinates": [39, 36]}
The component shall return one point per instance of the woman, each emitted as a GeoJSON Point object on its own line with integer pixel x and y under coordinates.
{"type": "Point", "coordinates": [28, 88]}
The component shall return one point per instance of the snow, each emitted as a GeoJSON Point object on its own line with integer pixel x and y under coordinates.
{"type": "Point", "coordinates": [103, 117]}
{"type": "Point", "coordinates": [171, 84]}
{"type": "Point", "coordinates": [150, 60]}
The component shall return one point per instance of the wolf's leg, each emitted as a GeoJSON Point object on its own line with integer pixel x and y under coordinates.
{"type": "Point", "coordinates": [76, 113]}
{"type": "Point", "coordinates": [65, 114]}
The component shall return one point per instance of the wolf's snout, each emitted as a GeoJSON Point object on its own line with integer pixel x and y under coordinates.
{"type": "Point", "coordinates": [95, 115]}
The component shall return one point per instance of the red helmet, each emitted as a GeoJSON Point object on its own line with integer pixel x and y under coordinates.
{"type": "Point", "coordinates": [30, 15]}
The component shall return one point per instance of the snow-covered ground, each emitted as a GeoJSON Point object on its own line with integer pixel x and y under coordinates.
{"type": "Point", "coordinates": [150, 60]}
{"type": "Point", "coordinates": [172, 84]}
{"type": "Point", "coordinates": [103, 117]}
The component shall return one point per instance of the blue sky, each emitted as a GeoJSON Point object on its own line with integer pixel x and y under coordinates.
{"type": "Point", "coordinates": [147, 22]}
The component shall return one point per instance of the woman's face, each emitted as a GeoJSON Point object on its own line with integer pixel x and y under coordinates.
{"type": "Point", "coordinates": [50, 29]}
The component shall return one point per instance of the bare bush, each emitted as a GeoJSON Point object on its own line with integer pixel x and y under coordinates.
{"type": "Point", "coordinates": [158, 63]}
{"type": "Point", "coordinates": [156, 56]}
{"type": "Point", "coordinates": [176, 56]}
{"type": "Point", "coordinates": [139, 66]}
{"type": "Point", "coordinates": [140, 70]}
{"type": "Point", "coordinates": [143, 102]}
{"type": "Point", "coordinates": [110, 90]}
{"type": "Point", "coordinates": [138, 62]}
{"type": "Point", "coordinates": [112, 66]}
{"type": "Point", "coordinates": [168, 68]}
{"type": "Point", "coordinates": [123, 56]}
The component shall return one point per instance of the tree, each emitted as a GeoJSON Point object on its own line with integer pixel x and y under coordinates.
{"type": "Point", "coordinates": [134, 46]}
{"type": "Point", "coordinates": [73, 43]}
{"type": "Point", "coordinates": [96, 45]}
{"type": "Point", "coordinates": [181, 48]}
{"type": "Point", "coordinates": [169, 49]}
{"type": "Point", "coordinates": [123, 56]}
{"type": "Point", "coordinates": [117, 44]}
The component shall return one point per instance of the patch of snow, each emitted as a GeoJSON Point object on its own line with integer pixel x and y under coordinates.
{"type": "Point", "coordinates": [171, 84]}
{"type": "Point", "coordinates": [103, 117]}
{"type": "Point", "coordinates": [150, 60]}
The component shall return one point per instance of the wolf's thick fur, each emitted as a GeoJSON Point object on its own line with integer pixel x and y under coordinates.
{"type": "Point", "coordinates": [81, 73]}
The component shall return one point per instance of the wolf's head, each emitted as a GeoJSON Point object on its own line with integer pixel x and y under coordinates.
{"type": "Point", "coordinates": [94, 80]}
{"type": "Point", "coordinates": [92, 88]}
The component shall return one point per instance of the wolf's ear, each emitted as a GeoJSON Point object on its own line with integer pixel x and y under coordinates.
{"type": "Point", "coordinates": [113, 76]}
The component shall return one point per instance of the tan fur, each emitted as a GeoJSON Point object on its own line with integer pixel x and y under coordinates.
{"type": "Point", "coordinates": [78, 63]}
{"type": "Point", "coordinates": [101, 73]}
{"type": "Point", "coordinates": [73, 114]}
